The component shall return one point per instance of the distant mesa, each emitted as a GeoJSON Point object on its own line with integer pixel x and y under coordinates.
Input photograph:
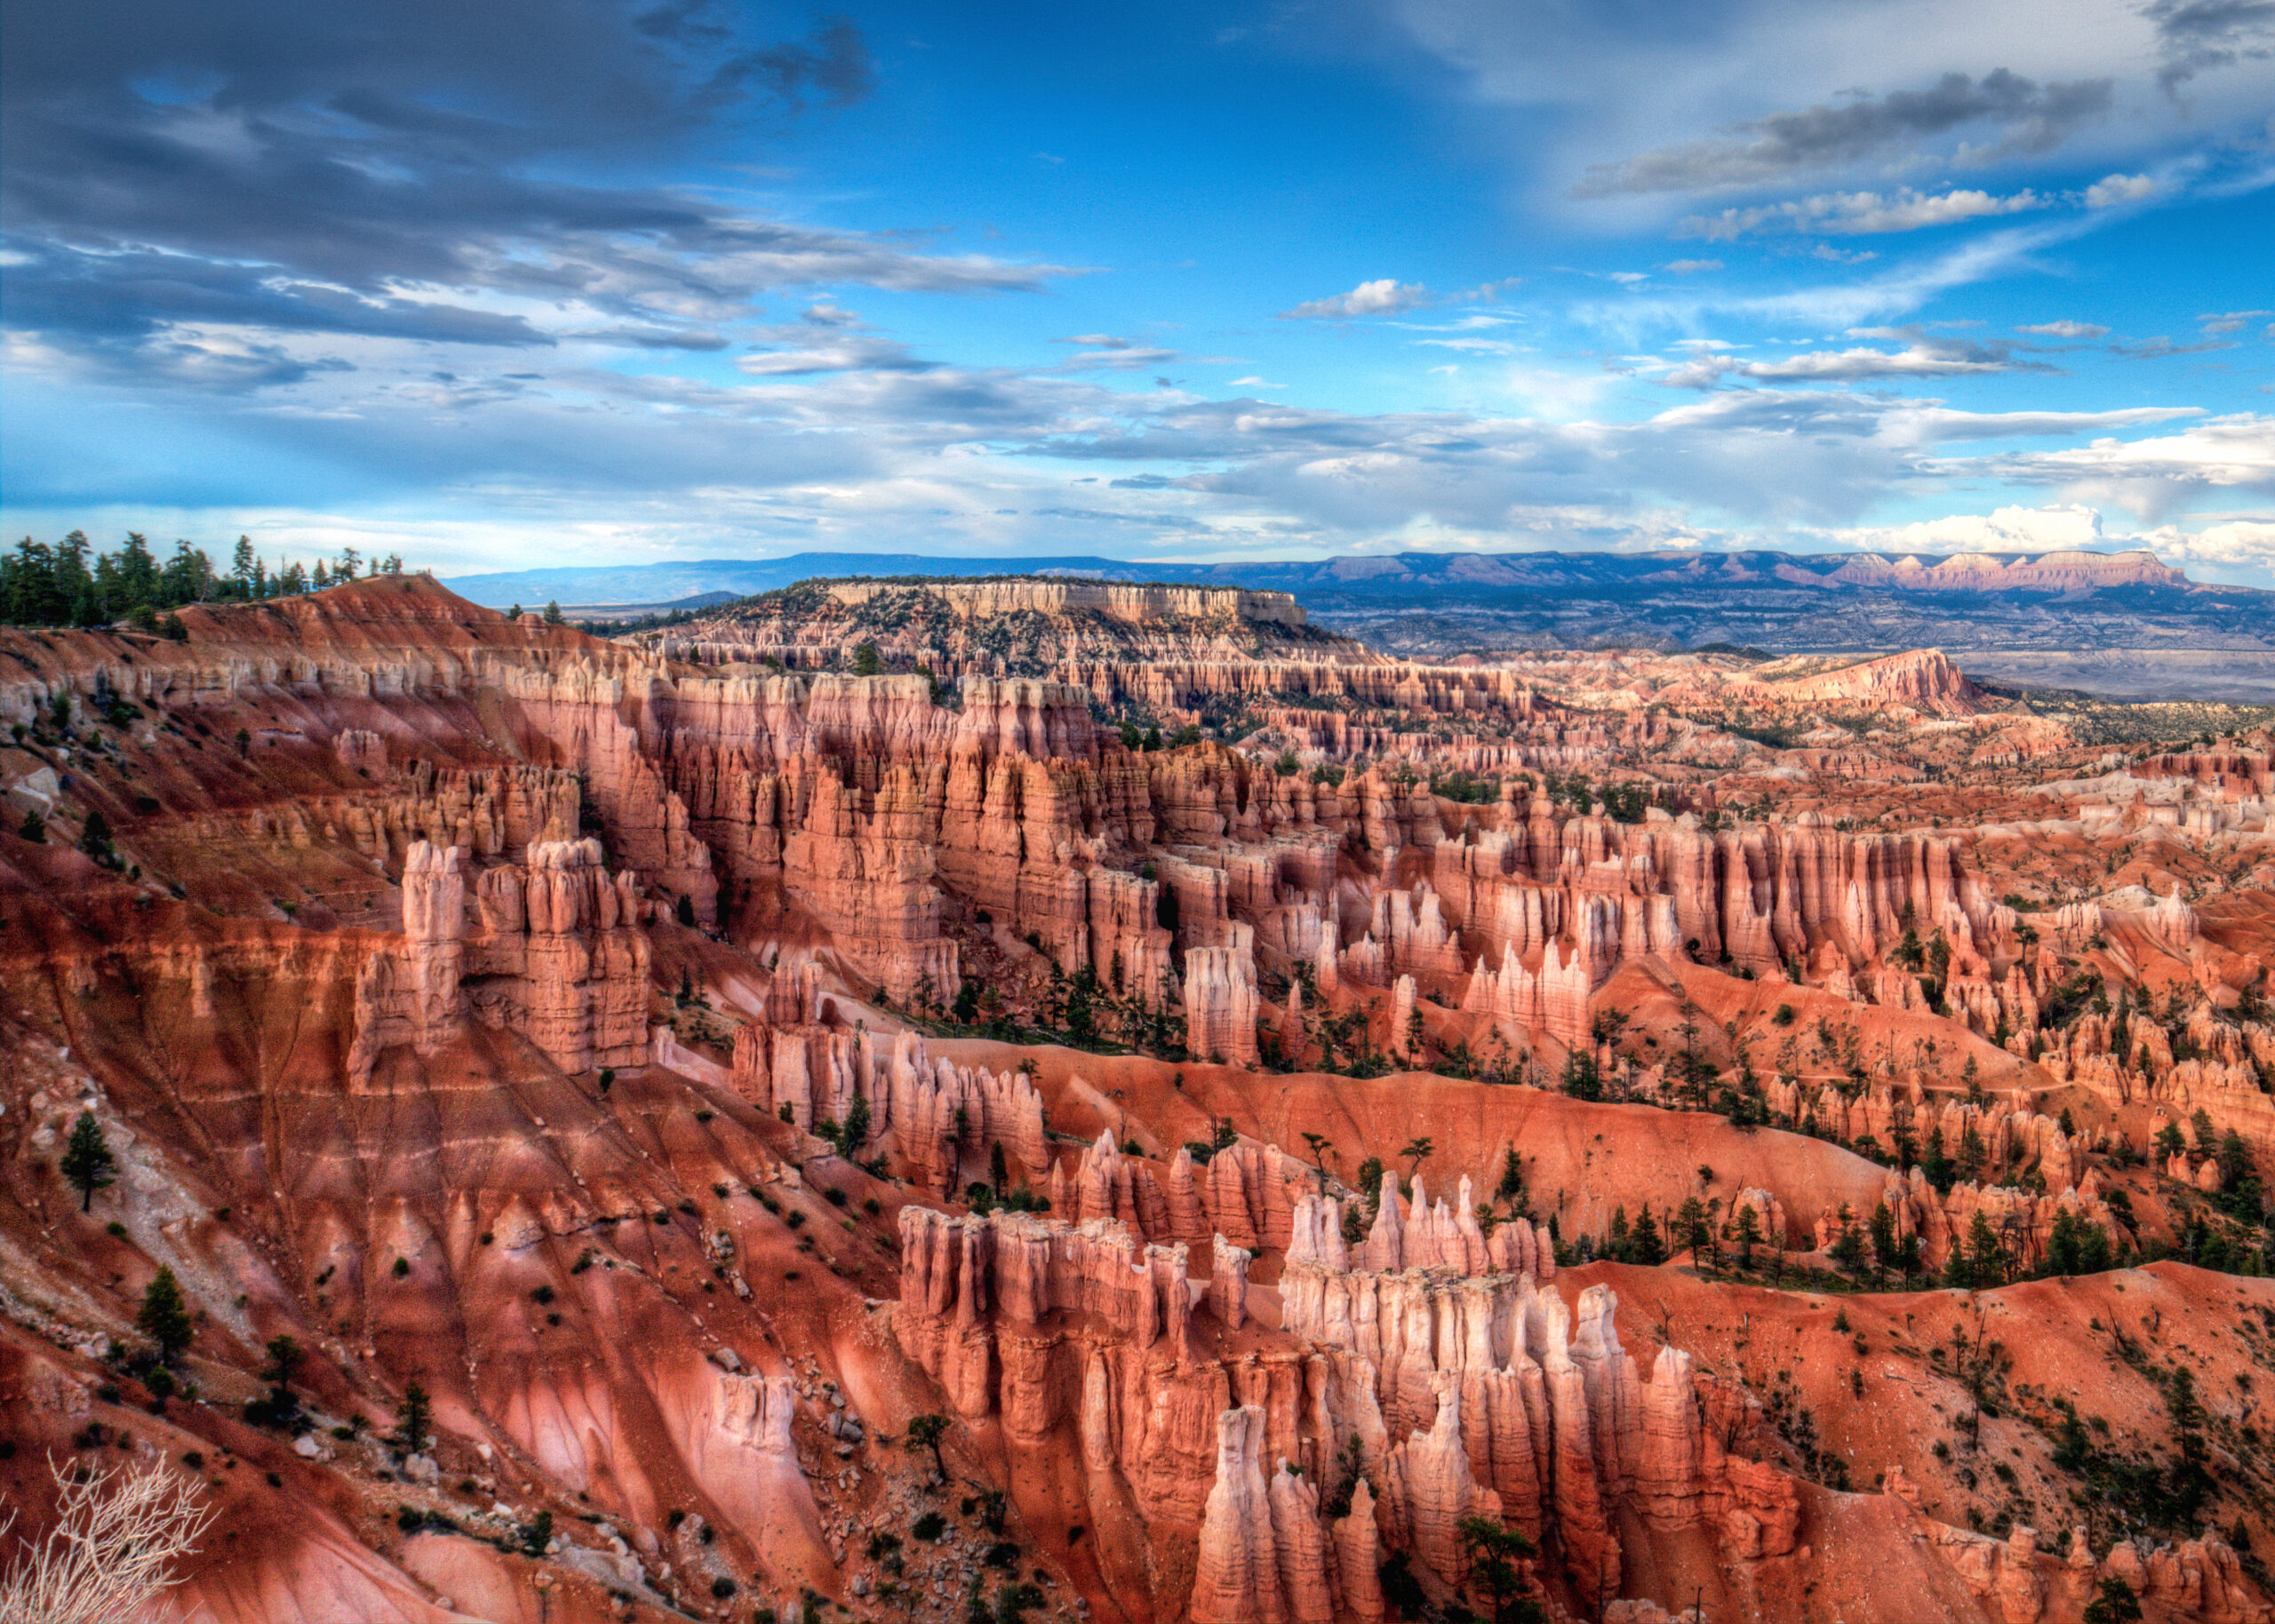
{"type": "Point", "coordinates": [2067, 571]}
{"type": "Point", "coordinates": [666, 584]}
{"type": "Point", "coordinates": [1132, 600]}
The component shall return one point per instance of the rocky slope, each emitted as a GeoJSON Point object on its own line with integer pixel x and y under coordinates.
{"type": "Point", "coordinates": [2118, 624]}
{"type": "Point", "coordinates": [826, 1142]}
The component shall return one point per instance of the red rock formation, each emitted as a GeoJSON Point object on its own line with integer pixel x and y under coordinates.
{"type": "Point", "coordinates": [959, 1276]}
{"type": "Point", "coordinates": [1923, 680]}
{"type": "Point", "coordinates": [1429, 1491]}
{"type": "Point", "coordinates": [552, 959]}
{"type": "Point", "coordinates": [437, 886]}
{"type": "Point", "coordinates": [1237, 1578]}
{"type": "Point", "coordinates": [1220, 1003]}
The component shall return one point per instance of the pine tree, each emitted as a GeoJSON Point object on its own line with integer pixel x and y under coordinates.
{"type": "Point", "coordinates": [34, 828]}
{"type": "Point", "coordinates": [1977, 1260]}
{"type": "Point", "coordinates": [2116, 1604]}
{"type": "Point", "coordinates": [1935, 1163]}
{"type": "Point", "coordinates": [284, 1360]}
{"type": "Point", "coordinates": [74, 582]}
{"type": "Point", "coordinates": [925, 1432]}
{"type": "Point", "coordinates": [1693, 1232]}
{"type": "Point", "coordinates": [164, 1317]}
{"type": "Point", "coordinates": [1498, 1565]}
{"type": "Point", "coordinates": [1645, 1245]}
{"type": "Point", "coordinates": [553, 613]}
{"type": "Point", "coordinates": [1883, 1239]}
{"type": "Point", "coordinates": [1969, 1162]}
{"type": "Point", "coordinates": [87, 1161]}
{"type": "Point", "coordinates": [138, 571]}
{"type": "Point", "coordinates": [414, 1419]}
{"type": "Point", "coordinates": [1747, 1233]}
{"type": "Point", "coordinates": [94, 837]}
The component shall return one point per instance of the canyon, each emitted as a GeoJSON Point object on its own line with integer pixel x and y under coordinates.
{"type": "Point", "coordinates": [1067, 1098]}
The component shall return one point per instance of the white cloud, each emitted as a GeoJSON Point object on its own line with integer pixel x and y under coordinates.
{"type": "Point", "coordinates": [1859, 213]}
{"type": "Point", "coordinates": [1254, 383]}
{"type": "Point", "coordinates": [1688, 267]}
{"type": "Point", "coordinates": [1913, 361]}
{"type": "Point", "coordinates": [2111, 190]}
{"type": "Point", "coordinates": [1709, 93]}
{"type": "Point", "coordinates": [1703, 370]}
{"type": "Point", "coordinates": [1470, 323]}
{"type": "Point", "coordinates": [2151, 476]}
{"type": "Point", "coordinates": [2065, 330]}
{"type": "Point", "coordinates": [1107, 352]}
{"type": "Point", "coordinates": [2228, 546]}
{"type": "Point", "coordinates": [839, 351]}
{"type": "Point", "coordinates": [1386, 296]}
{"type": "Point", "coordinates": [2007, 530]}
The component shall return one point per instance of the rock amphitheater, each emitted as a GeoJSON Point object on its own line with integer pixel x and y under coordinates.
{"type": "Point", "coordinates": [1056, 1100]}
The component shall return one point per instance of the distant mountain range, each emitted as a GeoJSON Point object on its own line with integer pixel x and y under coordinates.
{"type": "Point", "coordinates": [2122, 624]}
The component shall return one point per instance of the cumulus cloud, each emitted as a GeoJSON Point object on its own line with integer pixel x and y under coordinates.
{"type": "Point", "coordinates": [2226, 545]}
{"type": "Point", "coordinates": [1386, 296]}
{"type": "Point", "coordinates": [2029, 117]}
{"type": "Point", "coordinates": [2112, 191]}
{"type": "Point", "coordinates": [1859, 213]}
{"type": "Point", "coordinates": [2066, 330]}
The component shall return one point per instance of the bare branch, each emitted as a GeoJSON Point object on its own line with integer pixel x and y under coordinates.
{"type": "Point", "coordinates": [111, 1552]}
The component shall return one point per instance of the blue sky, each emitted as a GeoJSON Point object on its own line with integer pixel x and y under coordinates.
{"type": "Point", "coordinates": [562, 280]}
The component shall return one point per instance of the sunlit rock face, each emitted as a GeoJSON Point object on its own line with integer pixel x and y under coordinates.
{"type": "Point", "coordinates": [1157, 1095]}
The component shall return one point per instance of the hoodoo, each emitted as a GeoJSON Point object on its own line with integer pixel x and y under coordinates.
{"type": "Point", "coordinates": [1040, 1097]}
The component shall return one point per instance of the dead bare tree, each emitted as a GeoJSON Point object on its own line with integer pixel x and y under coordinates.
{"type": "Point", "coordinates": [111, 1552]}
